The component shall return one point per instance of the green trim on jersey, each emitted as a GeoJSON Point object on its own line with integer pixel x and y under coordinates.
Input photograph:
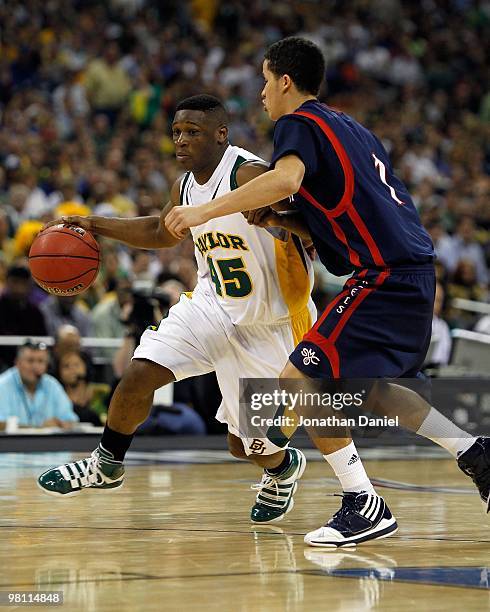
{"type": "Point", "coordinates": [239, 161]}
{"type": "Point", "coordinates": [182, 187]}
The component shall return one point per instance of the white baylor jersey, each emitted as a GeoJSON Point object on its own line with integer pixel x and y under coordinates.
{"type": "Point", "coordinates": [256, 278]}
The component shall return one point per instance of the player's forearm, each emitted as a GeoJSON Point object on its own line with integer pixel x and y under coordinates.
{"type": "Point", "coordinates": [263, 190]}
{"type": "Point", "coordinates": [140, 232]}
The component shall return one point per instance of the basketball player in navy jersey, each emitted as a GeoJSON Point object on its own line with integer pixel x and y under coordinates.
{"type": "Point", "coordinates": [362, 220]}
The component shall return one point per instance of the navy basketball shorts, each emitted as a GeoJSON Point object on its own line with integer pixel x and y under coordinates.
{"type": "Point", "coordinates": [378, 326]}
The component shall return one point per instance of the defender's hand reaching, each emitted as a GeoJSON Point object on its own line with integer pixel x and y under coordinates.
{"type": "Point", "coordinates": [181, 218]}
{"type": "Point", "coordinates": [262, 217]}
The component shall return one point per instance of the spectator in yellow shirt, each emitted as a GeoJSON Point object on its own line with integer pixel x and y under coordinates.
{"type": "Point", "coordinates": [107, 83]}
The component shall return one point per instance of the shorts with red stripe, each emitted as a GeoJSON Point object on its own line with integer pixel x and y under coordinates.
{"type": "Point", "coordinates": [379, 325]}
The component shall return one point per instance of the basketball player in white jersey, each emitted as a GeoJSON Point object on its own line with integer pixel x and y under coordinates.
{"type": "Point", "coordinates": [249, 309]}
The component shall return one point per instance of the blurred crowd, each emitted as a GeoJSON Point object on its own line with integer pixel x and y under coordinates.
{"type": "Point", "coordinates": [87, 95]}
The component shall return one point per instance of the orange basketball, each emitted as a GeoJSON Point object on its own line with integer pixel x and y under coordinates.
{"type": "Point", "coordinates": [64, 259]}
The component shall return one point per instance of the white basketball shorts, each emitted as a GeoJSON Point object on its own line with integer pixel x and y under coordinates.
{"type": "Point", "coordinates": [198, 337]}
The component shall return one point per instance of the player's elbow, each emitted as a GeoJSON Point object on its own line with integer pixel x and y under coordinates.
{"type": "Point", "coordinates": [291, 182]}
{"type": "Point", "coordinates": [294, 184]}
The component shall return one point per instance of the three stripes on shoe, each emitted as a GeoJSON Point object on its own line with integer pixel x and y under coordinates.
{"type": "Point", "coordinates": [273, 497]}
{"type": "Point", "coordinates": [373, 509]}
{"type": "Point", "coordinates": [81, 473]}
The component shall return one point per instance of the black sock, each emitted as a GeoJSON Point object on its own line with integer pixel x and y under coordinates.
{"type": "Point", "coordinates": [116, 443]}
{"type": "Point", "coordinates": [285, 463]}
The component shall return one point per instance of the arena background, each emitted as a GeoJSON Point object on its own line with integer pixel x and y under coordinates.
{"type": "Point", "coordinates": [87, 95]}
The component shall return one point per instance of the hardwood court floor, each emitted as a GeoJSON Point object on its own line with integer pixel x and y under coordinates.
{"type": "Point", "coordinates": [177, 537]}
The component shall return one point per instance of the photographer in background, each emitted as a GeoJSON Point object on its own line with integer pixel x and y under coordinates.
{"type": "Point", "coordinates": [139, 310]}
{"type": "Point", "coordinates": [18, 315]}
{"type": "Point", "coordinates": [107, 315]}
{"type": "Point", "coordinates": [34, 397]}
{"type": "Point", "coordinates": [147, 307]}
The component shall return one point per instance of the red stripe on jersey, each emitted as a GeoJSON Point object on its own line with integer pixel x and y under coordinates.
{"type": "Point", "coordinates": [339, 233]}
{"type": "Point", "coordinates": [329, 350]}
{"type": "Point", "coordinates": [346, 200]}
{"type": "Point", "coordinates": [346, 204]}
{"type": "Point", "coordinates": [329, 307]}
{"type": "Point", "coordinates": [366, 236]}
{"type": "Point", "coordinates": [337, 230]}
{"type": "Point", "coordinates": [349, 283]}
{"type": "Point", "coordinates": [327, 344]}
{"type": "Point", "coordinates": [355, 304]}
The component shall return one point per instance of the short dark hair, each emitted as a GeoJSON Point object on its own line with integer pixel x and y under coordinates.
{"type": "Point", "coordinates": [301, 59]}
{"type": "Point", "coordinates": [31, 345]}
{"type": "Point", "coordinates": [204, 103]}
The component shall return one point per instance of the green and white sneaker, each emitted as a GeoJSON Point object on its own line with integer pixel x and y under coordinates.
{"type": "Point", "coordinates": [99, 471]}
{"type": "Point", "coordinates": [275, 497]}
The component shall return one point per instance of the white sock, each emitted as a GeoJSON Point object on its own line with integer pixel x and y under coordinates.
{"type": "Point", "coordinates": [348, 468]}
{"type": "Point", "coordinates": [448, 435]}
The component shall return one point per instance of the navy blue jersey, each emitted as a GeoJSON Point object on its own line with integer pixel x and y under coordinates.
{"type": "Point", "coordinates": [359, 214]}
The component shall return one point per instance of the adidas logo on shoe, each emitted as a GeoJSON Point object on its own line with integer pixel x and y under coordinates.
{"type": "Point", "coordinates": [353, 459]}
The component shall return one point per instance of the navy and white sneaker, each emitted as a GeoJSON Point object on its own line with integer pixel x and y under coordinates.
{"type": "Point", "coordinates": [475, 462]}
{"type": "Point", "coordinates": [362, 517]}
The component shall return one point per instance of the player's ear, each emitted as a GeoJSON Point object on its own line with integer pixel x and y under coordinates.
{"type": "Point", "coordinates": [286, 83]}
{"type": "Point", "coordinates": [222, 134]}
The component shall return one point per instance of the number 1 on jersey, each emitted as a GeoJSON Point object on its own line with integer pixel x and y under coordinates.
{"type": "Point", "coordinates": [381, 168]}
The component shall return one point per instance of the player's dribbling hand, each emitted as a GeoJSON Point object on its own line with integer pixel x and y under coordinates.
{"type": "Point", "coordinates": [83, 222]}
{"type": "Point", "coordinates": [181, 218]}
